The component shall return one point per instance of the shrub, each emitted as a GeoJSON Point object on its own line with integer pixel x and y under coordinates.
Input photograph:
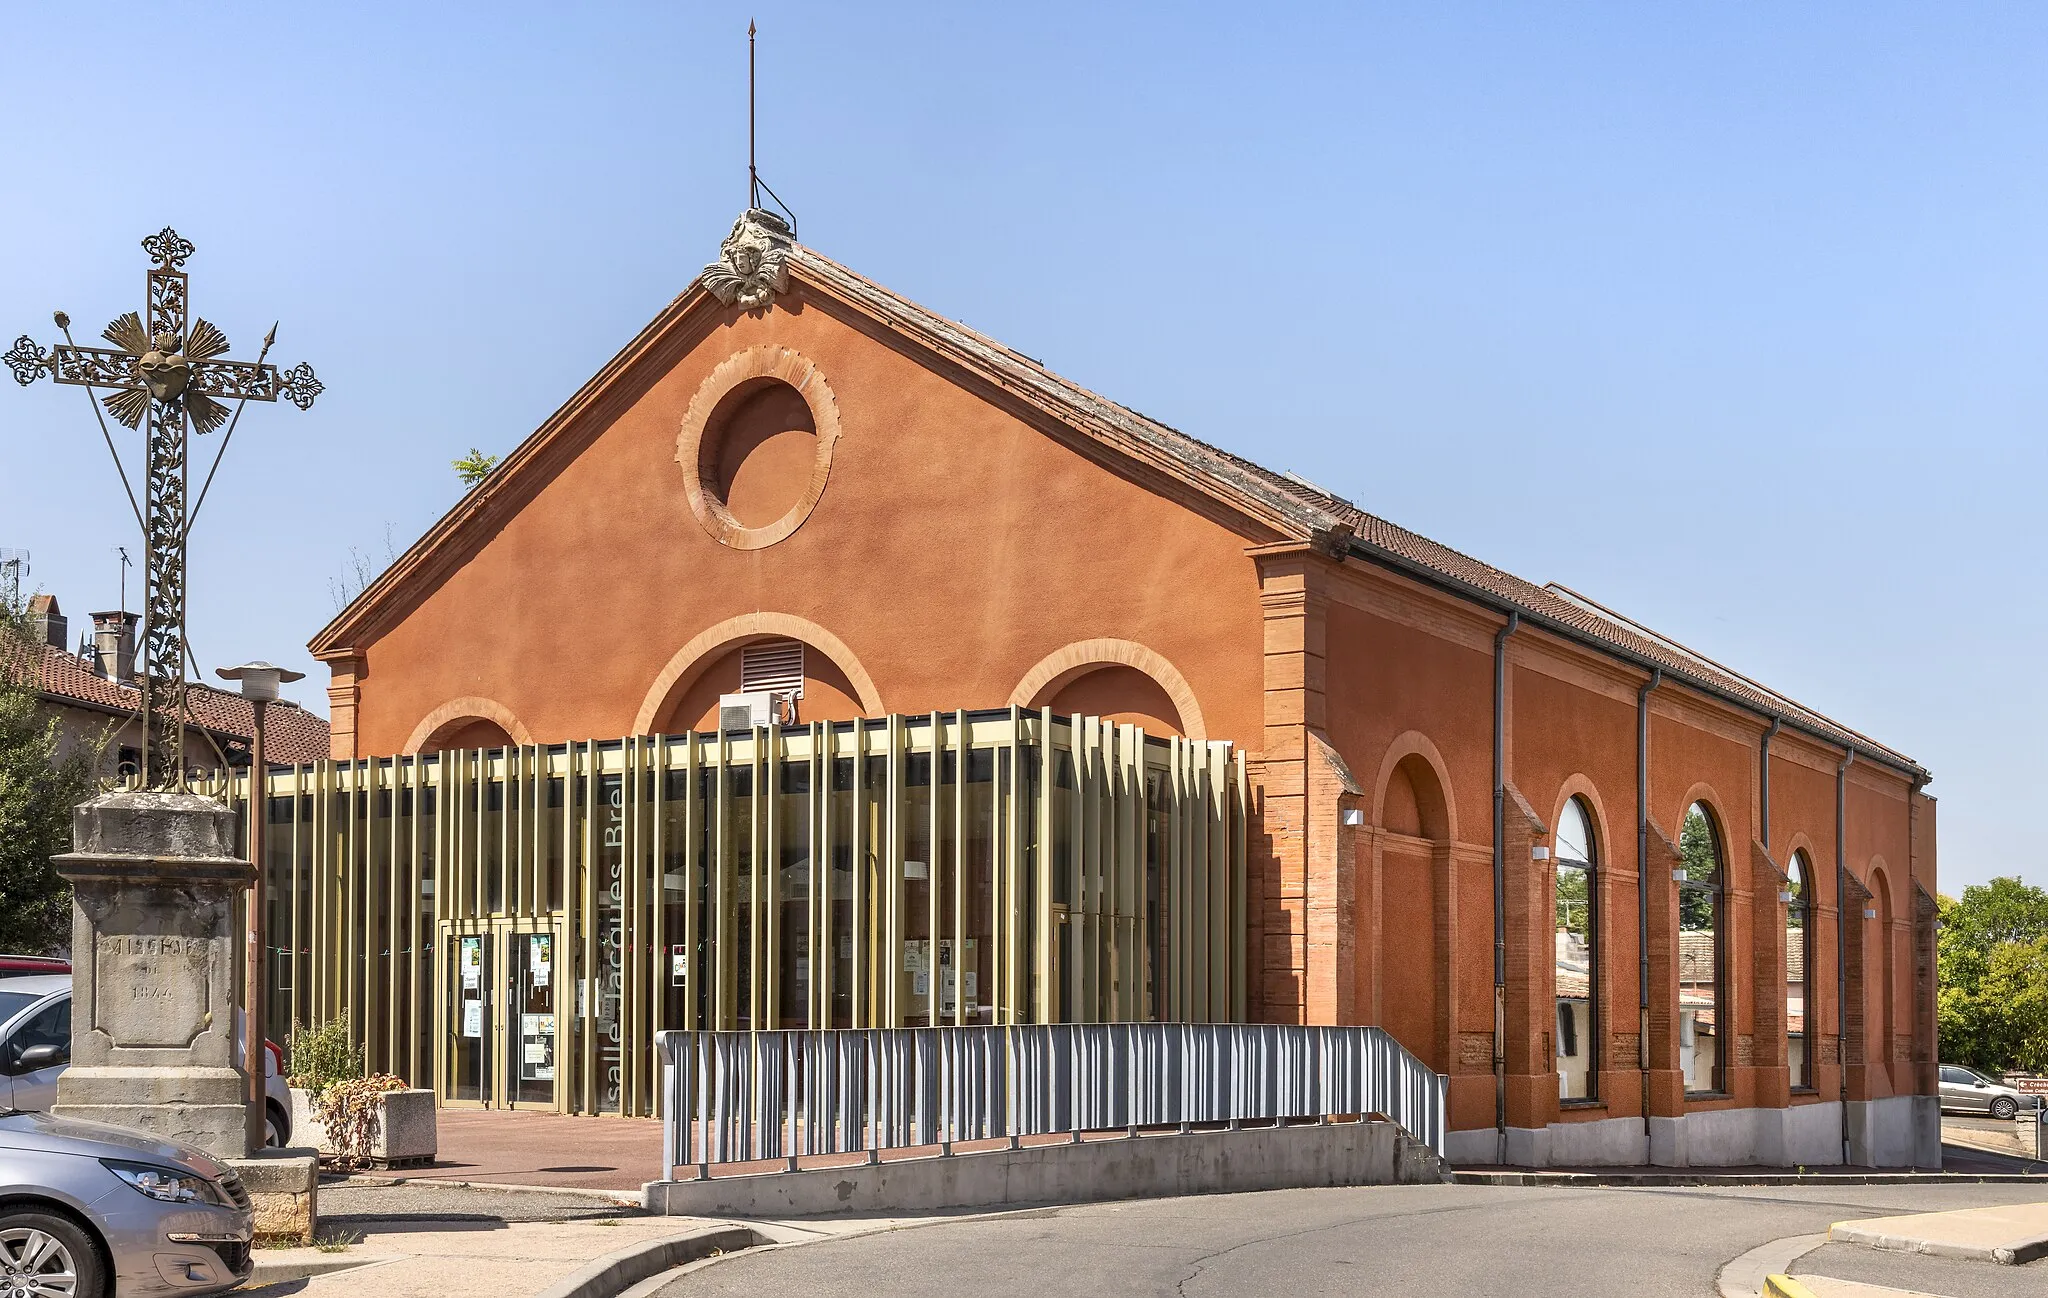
{"type": "Point", "coordinates": [348, 1111]}
{"type": "Point", "coordinates": [318, 1057]}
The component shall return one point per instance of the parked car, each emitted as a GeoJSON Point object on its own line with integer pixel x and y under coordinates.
{"type": "Point", "coordinates": [35, 1049]}
{"type": "Point", "coordinates": [33, 964]}
{"type": "Point", "coordinates": [1968, 1090]}
{"type": "Point", "coordinates": [90, 1210]}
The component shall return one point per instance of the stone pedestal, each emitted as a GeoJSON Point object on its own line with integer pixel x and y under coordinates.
{"type": "Point", "coordinates": [284, 1194]}
{"type": "Point", "coordinates": [154, 947]}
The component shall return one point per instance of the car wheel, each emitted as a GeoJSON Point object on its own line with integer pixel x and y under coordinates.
{"type": "Point", "coordinates": [46, 1256]}
{"type": "Point", "coordinates": [273, 1128]}
{"type": "Point", "coordinates": [2003, 1108]}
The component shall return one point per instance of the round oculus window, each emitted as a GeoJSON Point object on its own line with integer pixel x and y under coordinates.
{"type": "Point", "coordinates": [756, 446]}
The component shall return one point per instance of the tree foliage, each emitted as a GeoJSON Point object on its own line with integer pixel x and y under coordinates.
{"type": "Point", "coordinates": [1700, 852]}
{"type": "Point", "coordinates": [39, 785]}
{"type": "Point", "coordinates": [474, 467]}
{"type": "Point", "coordinates": [1992, 1009]}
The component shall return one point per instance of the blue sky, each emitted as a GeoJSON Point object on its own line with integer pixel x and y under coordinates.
{"type": "Point", "coordinates": [1731, 317]}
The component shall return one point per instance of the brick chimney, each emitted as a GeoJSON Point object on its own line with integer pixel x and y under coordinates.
{"type": "Point", "coordinates": [47, 622]}
{"type": "Point", "coordinates": [113, 640]}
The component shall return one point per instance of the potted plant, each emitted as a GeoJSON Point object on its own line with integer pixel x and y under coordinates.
{"type": "Point", "coordinates": [356, 1118]}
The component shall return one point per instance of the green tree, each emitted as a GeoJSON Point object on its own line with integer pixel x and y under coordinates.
{"type": "Point", "coordinates": [39, 785]}
{"type": "Point", "coordinates": [1700, 852]}
{"type": "Point", "coordinates": [1992, 953]}
{"type": "Point", "coordinates": [474, 467]}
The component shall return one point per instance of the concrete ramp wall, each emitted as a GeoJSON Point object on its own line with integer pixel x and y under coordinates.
{"type": "Point", "coordinates": [1150, 1166]}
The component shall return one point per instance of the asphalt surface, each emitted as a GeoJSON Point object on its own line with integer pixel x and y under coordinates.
{"type": "Point", "coordinates": [1530, 1242]}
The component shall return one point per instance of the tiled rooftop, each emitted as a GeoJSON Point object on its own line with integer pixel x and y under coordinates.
{"type": "Point", "coordinates": [291, 734]}
{"type": "Point", "coordinates": [1320, 512]}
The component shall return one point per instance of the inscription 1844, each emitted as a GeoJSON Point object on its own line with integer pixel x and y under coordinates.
{"type": "Point", "coordinates": [169, 987]}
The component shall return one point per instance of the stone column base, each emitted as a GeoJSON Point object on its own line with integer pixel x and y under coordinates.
{"type": "Point", "coordinates": [197, 1106]}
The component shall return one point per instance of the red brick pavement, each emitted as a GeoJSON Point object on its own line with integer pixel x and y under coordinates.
{"type": "Point", "coordinates": [521, 1148]}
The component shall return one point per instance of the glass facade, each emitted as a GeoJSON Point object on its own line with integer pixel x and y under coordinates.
{"type": "Point", "coordinates": [512, 926]}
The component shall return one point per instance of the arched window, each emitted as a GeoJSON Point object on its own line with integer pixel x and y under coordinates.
{"type": "Point", "coordinates": [1702, 903]}
{"type": "Point", "coordinates": [1578, 1015]}
{"type": "Point", "coordinates": [1798, 968]}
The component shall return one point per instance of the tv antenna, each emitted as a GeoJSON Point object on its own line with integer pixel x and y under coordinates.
{"type": "Point", "coordinates": [13, 576]}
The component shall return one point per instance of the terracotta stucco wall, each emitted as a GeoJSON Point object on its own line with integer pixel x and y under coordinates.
{"type": "Point", "coordinates": [954, 547]}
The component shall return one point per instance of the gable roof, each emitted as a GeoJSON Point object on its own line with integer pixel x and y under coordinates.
{"type": "Point", "coordinates": [291, 735]}
{"type": "Point", "coordinates": [1288, 506]}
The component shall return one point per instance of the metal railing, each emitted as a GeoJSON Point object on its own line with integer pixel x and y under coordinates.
{"type": "Point", "coordinates": [733, 1097]}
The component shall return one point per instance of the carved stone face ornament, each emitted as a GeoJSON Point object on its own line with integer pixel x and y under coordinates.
{"type": "Point", "coordinates": [753, 264]}
{"type": "Point", "coordinates": [163, 368]}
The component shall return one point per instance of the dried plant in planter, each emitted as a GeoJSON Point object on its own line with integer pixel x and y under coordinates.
{"type": "Point", "coordinates": [348, 1111]}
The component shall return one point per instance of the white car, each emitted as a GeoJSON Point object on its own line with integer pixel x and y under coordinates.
{"type": "Point", "coordinates": [35, 1049]}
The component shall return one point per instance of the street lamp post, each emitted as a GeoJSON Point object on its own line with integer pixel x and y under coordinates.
{"type": "Point", "coordinates": [259, 682]}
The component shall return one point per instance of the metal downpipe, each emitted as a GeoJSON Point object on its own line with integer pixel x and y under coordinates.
{"type": "Point", "coordinates": [1842, 940]}
{"type": "Point", "coordinates": [1764, 788]}
{"type": "Point", "coordinates": [1643, 893]}
{"type": "Point", "coordinates": [1500, 884]}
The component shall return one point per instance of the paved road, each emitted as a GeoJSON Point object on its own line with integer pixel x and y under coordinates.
{"type": "Point", "coordinates": [1528, 1242]}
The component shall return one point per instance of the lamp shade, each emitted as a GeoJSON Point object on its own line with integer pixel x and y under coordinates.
{"type": "Point", "coordinates": [259, 680]}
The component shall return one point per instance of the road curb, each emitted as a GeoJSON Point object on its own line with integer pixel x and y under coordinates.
{"type": "Point", "coordinates": [1680, 1178]}
{"type": "Point", "coordinates": [614, 1272]}
{"type": "Point", "coordinates": [305, 1268]}
{"type": "Point", "coordinates": [623, 1198]}
{"type": "Point", "coordinates": [2020, 1252]}
{"type": "Point", "coordinates": [1784, 1286]}
{"type": "Point", "coordinates": [1749, 1275]}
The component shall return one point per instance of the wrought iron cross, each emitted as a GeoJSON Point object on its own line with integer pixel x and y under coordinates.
{"type": "Point", "coordinates": [168, 370]}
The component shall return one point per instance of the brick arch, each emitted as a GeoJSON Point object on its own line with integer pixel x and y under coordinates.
{"type": "Point", "coordinates": [709, 643]}
{"type": "Point", "coordinates": [1799, 842]}
{"type": "Point", "coordinates": [1063, 666]}
{"type": "Point", "coordinates": [1580, 785]}
{"type": "Point", "coordinates": [1705, 794]}
{"type": "Point", "coordinates": [1414, 743]}
{"type": "Point", "coordinates": [470, 708]}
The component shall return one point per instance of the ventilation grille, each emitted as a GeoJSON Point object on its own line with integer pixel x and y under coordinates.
{"type": "Point", "coordinates": [773, 667]}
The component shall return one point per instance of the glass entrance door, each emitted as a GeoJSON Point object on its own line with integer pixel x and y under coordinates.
{"type": "Point", "coordinates": [531, 1026]}
{"type": "Point", "coordinates": [501, 983]}
{"type": "Point", "coordinates": [467, 981]}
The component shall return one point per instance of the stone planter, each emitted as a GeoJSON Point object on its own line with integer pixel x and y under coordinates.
{"type": "Point", "coordinates": [405, 1128]}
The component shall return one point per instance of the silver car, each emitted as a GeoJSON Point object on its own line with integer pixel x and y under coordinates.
{"type": "Point", "coordinates": [88, 1210]}
{"type": "Point", "coordinates": [35, 1049]}
{"type": "Point", "coordinates": [1972, 1092]}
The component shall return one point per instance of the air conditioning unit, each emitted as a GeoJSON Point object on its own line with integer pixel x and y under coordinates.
{"type": "Point", "coordinates": [745, 711]}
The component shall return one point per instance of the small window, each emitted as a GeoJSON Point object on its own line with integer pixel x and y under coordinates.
{"type": "Point", "coordinates": [1956, 1077]}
